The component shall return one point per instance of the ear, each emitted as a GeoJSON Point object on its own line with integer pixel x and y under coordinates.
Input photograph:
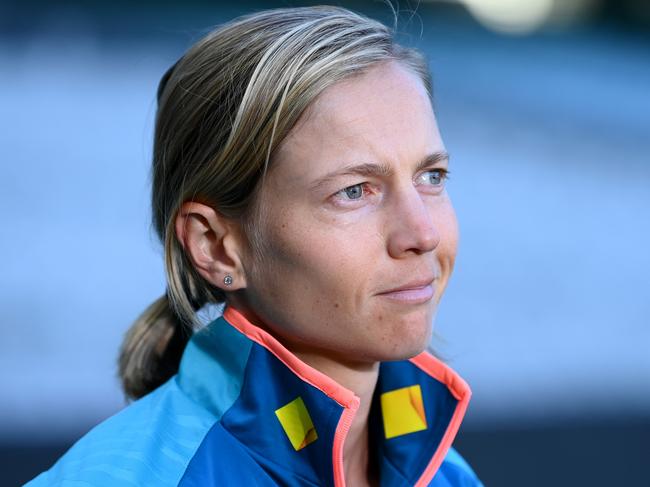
{"type": "Point", "coordinates": [213, 244]}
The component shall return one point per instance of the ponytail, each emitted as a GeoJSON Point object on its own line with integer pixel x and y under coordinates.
{"type": "Point", "coordinates": [152, 349]}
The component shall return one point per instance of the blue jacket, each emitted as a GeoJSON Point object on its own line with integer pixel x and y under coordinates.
{"type": "Point", "coordinates": [243, 410]}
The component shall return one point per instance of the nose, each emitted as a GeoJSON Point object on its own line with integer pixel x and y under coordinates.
{"type": "Point", "coordinates": [412, 226]}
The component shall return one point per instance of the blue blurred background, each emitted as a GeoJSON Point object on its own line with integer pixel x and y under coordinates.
{"type": "Point", "coordinates": [545, 108]}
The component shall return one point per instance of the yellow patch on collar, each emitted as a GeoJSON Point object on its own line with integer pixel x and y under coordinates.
{"type": "Point", "coordinates": [297, 423]}
{"type": "Point", "coordinates": [403, 411]}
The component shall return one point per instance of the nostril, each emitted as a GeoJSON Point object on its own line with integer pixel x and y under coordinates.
{"type": "Point", "coordinates": [428, 241]}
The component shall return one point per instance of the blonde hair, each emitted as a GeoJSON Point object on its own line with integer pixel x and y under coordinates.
{"type": "Point", "coordinates": [223, 109]}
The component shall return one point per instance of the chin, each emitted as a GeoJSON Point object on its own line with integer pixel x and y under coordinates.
{"type": "Point", "coordinates": [409, 350]}
{"type": "Point", "coordinates": [409, 338]}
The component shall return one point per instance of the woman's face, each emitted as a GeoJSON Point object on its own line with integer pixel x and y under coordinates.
{"type": "Point", "coordinates": [359, 235]}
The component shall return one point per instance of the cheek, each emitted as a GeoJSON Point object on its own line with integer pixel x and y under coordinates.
{"type": "Point", "coordinates": [330, 246]}
{"type": "Point", "coordinates": [450, 226]}
{"type": "Point", "coordinates": [305, 286]}
{"type": "Point", "coordinates": [444, 219]}
{"type": "Point", "coordinates": [307, 265]}
{"type": "Point", "coordinates": [445, 253]}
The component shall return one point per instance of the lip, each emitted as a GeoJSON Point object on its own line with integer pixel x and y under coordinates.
{"type": "Point", "coordinates": [414, 292]}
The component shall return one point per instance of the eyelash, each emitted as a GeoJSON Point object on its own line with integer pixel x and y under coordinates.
{"type": "Point", "coordinates": [444, 175]}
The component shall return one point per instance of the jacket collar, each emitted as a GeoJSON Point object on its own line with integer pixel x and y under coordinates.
{"type": "Point", "coordinates": [288, 413]}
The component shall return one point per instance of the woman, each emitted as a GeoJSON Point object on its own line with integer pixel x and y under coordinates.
{"type": "Point", "coordinates": [299, 178]}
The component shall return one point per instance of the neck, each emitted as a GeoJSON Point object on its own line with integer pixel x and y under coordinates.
{"type": "Point", "coordinates": [361, 378]}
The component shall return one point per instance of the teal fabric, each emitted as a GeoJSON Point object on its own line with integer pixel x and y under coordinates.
{"type": "Point", "coordinates": [148, 443]}
{"type": "Point", "coordinates": [454, 458]}
{"type": "Point", "coordinates": [219, 352]}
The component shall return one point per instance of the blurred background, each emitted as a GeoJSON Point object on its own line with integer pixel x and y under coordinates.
{"type": "Point", "coordinates": [544, 106]}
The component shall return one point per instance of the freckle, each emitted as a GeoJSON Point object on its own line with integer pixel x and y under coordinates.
{"type": "Point", "coordinates": [380, 318]}
{"type": "Point", "coordinates": [336, 305]}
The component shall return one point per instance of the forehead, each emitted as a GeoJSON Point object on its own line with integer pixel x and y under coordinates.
{"type": "Point", "coordinates": [383, 115]}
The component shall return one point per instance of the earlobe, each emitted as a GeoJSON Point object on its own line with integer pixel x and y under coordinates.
{"type": "Point", "coordinates": [209, 240]}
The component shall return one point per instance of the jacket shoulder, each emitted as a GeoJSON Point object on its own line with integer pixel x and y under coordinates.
{"type": "Point", "coordinates": [455, 472]}
{"type": "Point", "coordinates": [150, 442]}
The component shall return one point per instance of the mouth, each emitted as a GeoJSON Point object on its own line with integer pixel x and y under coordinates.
{"type": "Point", "coordinates": [417, 292]}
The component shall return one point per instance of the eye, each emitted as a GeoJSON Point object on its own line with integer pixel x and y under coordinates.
{"type": "Point", "coordinates": [434, 177]}
{"type": "Point", "coordinates": [353, 192]}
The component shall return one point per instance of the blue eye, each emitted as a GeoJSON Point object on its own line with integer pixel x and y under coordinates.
{"type": "Point", "coordinates": [353, 192]}
{"type": "Point", "coordinates": [435, 177]}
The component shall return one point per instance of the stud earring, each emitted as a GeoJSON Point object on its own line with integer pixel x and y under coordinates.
{"type": "Point", "coordinates": [227, 280]}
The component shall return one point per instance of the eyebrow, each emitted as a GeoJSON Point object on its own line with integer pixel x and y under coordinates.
{"type": "Point", "coordinates": [381, 169]}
